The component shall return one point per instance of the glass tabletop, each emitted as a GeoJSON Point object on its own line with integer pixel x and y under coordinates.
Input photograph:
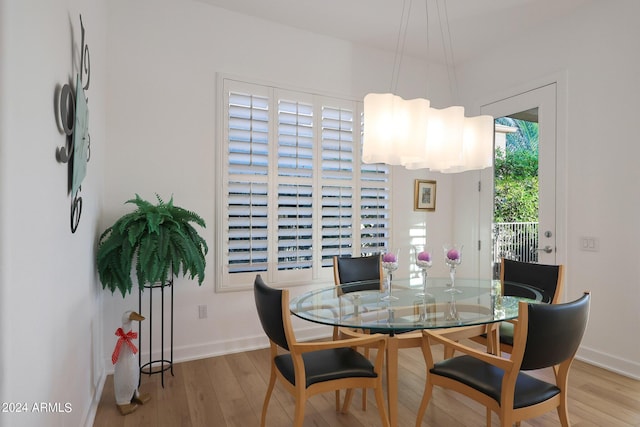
{"type": "Point", "coordinates": [478, 303]}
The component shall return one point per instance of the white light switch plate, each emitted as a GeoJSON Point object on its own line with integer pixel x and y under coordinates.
{"type": "Point", "coordinates": [590, 244]}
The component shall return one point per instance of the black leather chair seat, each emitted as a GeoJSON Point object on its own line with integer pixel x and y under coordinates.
{"type": "Point", "coordinates": [327, 365]}
{"type": "Point", "coordinates": [487, 379]}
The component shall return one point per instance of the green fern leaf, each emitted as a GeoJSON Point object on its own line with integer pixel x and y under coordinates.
{"type": "Point", "coordinates": [161, 240]}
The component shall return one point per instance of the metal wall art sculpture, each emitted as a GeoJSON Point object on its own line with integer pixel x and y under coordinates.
{"type": "Point", "coordinates": [73, 116]}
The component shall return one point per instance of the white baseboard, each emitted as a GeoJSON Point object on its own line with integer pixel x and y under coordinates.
{"type": "Point", "coordinates": [627, 368]}
{"type": "Point", "coordinates": [195, 352]}
{"type": "Point", "coordinates": [220, 348]}
{"type": "Point", "coordinates": [95, 401]}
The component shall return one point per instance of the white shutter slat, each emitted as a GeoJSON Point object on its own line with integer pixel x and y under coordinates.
{"type": "Point", "coordinates": [295, 226]}
{"type": "Point", "coordinates": [337, 164]}
{"type": "Point", "coordinates": [374, 204]}
{"type": "Point", "coordinates": [295, 138]}
{"type": "Point", "coordinates": [247, 154]}
{"type": "Point", "coordinates": [295, 199]}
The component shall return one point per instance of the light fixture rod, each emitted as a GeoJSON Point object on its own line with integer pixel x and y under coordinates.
{"type": "Point", "coordinates": [447, 49]}
{"type": "Point", "coordinates": [400, 42]}
{"type": "Point", "coordinates": [413, 134]}
{"type": "Point", "coordinates": [428, 42]}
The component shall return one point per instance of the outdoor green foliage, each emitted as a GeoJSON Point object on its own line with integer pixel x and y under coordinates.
{"type": "Point", "coordinates": [516, 174]}
{"type": "Point", "coordinates": [160, 237]}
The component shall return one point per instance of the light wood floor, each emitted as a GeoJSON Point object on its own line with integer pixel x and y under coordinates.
{"type": "Point", "coordinates": [229, 390]}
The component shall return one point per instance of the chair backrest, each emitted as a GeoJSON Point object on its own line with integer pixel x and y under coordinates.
{"type": "Point", "coordinates": [554, 332]}
{"type": "Point", "coordinates": [269, 305]}
{"type": "Point", "coordinates": [347, 270]}
{"type": "Point", "coordinates": [547, 278]}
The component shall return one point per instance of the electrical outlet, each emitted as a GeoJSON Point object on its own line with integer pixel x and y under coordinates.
{"type": "Point", "coordinates": [202, 312]}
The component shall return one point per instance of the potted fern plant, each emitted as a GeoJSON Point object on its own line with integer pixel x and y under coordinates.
{"type": "Point", "coordinates": [160, 238]}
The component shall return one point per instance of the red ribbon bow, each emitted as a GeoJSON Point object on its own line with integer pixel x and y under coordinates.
{"type": "Point", "coordinates": [124, 338]}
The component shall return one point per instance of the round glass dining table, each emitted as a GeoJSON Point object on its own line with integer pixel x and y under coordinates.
{"type": "Point", "coordinates": [402, 313]}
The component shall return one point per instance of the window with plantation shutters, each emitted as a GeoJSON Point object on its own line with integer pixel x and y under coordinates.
{"type": "Point", "coordinates": [337, 183]}
{"type": "Point", "coordinates": [295, 185]}
{"type": "Point", "coordinates": [374, 204]}
{"type": "Point", "coordinates": [295, 192]}
{"type": "Point", "coordinates": [247, 185]}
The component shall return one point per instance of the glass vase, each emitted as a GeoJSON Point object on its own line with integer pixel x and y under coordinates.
{"type": "Point", "coordinates": [453, 258]}
{"type": "Point", "coordinates": [389, 265]}
{"type": "Point", "coordinates": [423, 262]}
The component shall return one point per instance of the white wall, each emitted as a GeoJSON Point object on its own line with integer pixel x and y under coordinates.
{"type": "Point", "coordinates": [596, 48]}
{"type": "Point", "coordinates": [50, 348]}
{"type": "Point", "coordinates": [163, 60]}
{"type": "Point", "coordinates": [155, 76]}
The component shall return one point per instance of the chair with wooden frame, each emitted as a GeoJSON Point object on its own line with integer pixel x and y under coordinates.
{"type": "Point", "coordinates": [316, 367]}
{"type": "Point", "coordinates": [362, 273]}
{"type": "Point", "coordinates": [545, 336]}
{"type": "Point", "coordinates": [546, 279]}
{"type": "Point", "coordinates": [351, 274]}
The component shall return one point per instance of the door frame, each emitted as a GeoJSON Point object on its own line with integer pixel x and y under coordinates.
{"type": "Point", "coordinates": [486, 176]}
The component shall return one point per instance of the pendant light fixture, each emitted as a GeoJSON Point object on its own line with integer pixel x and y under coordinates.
{"type": "Point", "coordinates": [415, 135]}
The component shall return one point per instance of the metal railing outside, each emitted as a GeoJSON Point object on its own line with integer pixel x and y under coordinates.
{"type": "Point", "coordinates": [515, 240]}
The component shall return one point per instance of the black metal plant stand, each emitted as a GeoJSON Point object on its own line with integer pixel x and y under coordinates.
{"type": "Point", "coordinates": [161, 365]}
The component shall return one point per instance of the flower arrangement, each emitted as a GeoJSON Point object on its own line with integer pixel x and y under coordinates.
{"type": "Point", "coordinates": [453, 258]}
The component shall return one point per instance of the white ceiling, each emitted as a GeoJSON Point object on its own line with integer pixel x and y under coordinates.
{"type": "Point", "coordinates": [475, 25]}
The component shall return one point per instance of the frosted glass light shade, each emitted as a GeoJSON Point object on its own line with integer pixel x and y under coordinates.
{"type": "Point", "coordinates": [410, 133]}
{"type": "Point", "coordinates": [443, 144]}
{"type": "Point", "coordinates": [468, 145]}
{"type": "Point", "coordinates": [392, 128]}
{"type": "Point", "coordinates": [477, 143]}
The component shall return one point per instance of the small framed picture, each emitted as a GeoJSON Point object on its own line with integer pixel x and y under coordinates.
{"type": "Point", "coordinates": [424, 195]}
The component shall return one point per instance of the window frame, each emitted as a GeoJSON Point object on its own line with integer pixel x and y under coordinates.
{"type": "Point", "coordinates": [226, 281]}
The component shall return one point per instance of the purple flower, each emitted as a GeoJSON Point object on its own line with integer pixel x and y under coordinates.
{"type": "Point", "coordinates": [424, 256]}
{"type": "Point", "coordinates": [389, 257]}
{"type": "Point", "coordinates": [453, 254]}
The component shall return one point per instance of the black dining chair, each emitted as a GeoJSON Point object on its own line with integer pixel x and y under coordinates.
{"type": "Point", "coordinates": [351, 274]}
{"type": "Point", "coordinates": [547, 280]}
{"type": "Point", "coordinates": [363, 273]}
{"type": "Point", "coordinates": [306, 369]}
{"type": "Point", "coordinates": [545, 336]}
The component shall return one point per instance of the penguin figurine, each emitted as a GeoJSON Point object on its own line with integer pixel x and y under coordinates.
{"type": "Point", "coordinates": [126, 374]}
